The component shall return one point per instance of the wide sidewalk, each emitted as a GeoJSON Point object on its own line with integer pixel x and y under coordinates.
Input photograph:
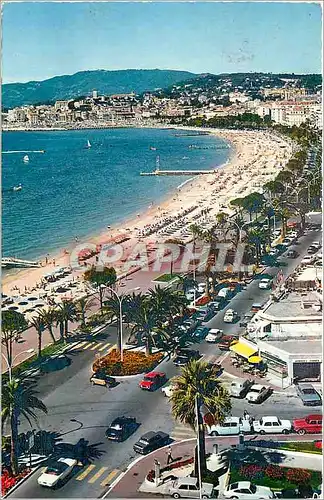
{"type": "Point", "coordinates": [128, 484]}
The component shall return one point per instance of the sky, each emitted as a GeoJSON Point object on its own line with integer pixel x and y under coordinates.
{"type": "Point", "coordinates": [45, 39]}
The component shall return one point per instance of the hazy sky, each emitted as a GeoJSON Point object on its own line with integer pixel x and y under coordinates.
{"type": "Point", "coordinates": [44, 39]}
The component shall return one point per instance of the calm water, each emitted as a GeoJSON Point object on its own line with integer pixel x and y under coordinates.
{"type": "Point", "coordinates": [70, 190]}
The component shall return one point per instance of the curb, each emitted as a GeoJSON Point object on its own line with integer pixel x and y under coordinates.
{"type": "Point", "coordinates": [287, 452]}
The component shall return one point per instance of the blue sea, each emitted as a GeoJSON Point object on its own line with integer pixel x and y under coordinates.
{"type": "Point", "coordinates": [72, 191]}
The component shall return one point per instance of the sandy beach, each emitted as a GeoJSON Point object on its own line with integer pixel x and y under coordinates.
{"type": "Point", "coordinates": [256, 159]}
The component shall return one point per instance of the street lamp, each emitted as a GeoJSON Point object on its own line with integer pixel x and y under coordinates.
{"type": "Point", "coordinates": [120, 301]}
{"type": "Point", "coordinates": [240, 228]}
{"type": "Point", "coordinates": [9, 365]}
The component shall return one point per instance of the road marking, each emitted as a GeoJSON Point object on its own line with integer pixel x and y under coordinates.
{"type": "Point", "coordinates": [110, 476]}
{"type": "Point", "coordinates": [97, 475]}
{"type": "Point", "coordinates": [87, 345]}
{"type": "Point", "coordinates": [97, 344]}
{"type": "Point", "coordinates": [77, 346]}
{"type": "Point", "coordinates": [104, 346]}
{"type": "Point", "coordinates": [84, 474]}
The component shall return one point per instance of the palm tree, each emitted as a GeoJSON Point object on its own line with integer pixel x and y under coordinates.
{"type": "Point", "coordinates": [48, 318]}
{"type": "Point", "coordinates": [198, 379]}
{"type": "Point", "coordinates": [145, 319]}
{"type": "Point", "coordinates": [112, 309]}
{"type": "Point", "coordinates": [18, 398]}
{"type": "Point", "coordinates": [82, 306]}
{"type": "Point", "coordinates": [38, 323]}
{"type": "Point", "coordinates": [66, 312]}
{"type": "Point", "coordinates": [257, 238]}
{"type": "Point", "coordinates": [13, 323]}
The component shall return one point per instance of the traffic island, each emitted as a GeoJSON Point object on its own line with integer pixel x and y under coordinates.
{"type": "Point", "coordinates": [134, 363]}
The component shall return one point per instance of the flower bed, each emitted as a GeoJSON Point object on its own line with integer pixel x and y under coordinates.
{"type": "Point", "coordinates": [8, 481]}
{"type": "Point", "coordinates": [134, 363]}
{"type": "Point", "coordinates": [275, 477]}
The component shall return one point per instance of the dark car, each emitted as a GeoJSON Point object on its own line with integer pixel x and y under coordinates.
{"type": "Point", "coordinates": [121, 428]}
{"type": "Point", "coordinates": [246, 319]}
{"type": "Point", "coordinates": [308, 395]}
{"type": "Point", "coordinates": [292, 254]}
{"type": "Point", "coordinates": [311, 249]}
{"type": "Point", "coordinates": [151, 441]}
{"type": "Point", "coordinates": [201, 332]}
{"type": "Point", "coordinates": [100, 378]}
{"type": "Point", "coordinates": [184, 356]}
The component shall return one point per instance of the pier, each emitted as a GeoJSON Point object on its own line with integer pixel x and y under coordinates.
{"type": "Point", "coordinates": [178, 172]}
{"type": "Point", "coordinates": [9, 262]}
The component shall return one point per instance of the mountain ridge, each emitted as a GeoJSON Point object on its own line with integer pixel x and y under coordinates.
{"type": "Point", "coordinates": [81, 83]}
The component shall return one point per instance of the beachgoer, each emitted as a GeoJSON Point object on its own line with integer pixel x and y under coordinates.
{"type": "Point", "coordinates": [169, 456]}
{"type": "Point", "coordinates": [46, 260]}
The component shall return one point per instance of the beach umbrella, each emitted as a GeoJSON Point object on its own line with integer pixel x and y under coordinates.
{"type": "Point", "coordinates": [255, 360]}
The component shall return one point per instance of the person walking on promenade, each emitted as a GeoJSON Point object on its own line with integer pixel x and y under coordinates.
{"type": "Point", "coordinates": [169, 456]}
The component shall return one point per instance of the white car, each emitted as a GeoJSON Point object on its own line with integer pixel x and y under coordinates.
{"type": "Point", "coordinates": [246, 490]}
{"type": "Point", "coordinates": [230, 316]}
{"type": "Point", "coordinates": [214, 335]}
{"type": "Point", "coordinates": [231, 426]}
{"type": "Point", "coordinates": [265, 284]}
{"type": "Point", "coordinates": [272, 425]}
{"type": "Point", "coordinates": [257, 393]}
{"type": "Point", "coordinates": [317, 244]}
{"type": "Point", "coordinates": [56, 472]}
{"type": "Point", "coordinates": [188, 487]}
{"type": "Point", "coordinates": [168, 390]}
{"type": "Point", "coordinates": [201, 287]}
{"type": "Point", "coordinates": [308, 259]}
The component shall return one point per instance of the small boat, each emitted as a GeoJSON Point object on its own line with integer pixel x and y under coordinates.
{"type": "Point", "coordinates": [152, 148]}
{"type": "Point", "coordinates": [17, 188]}
{"type": "Point", "coordinates": [26, 159]}
{"type": "Point", "coordinates": [88, 146]}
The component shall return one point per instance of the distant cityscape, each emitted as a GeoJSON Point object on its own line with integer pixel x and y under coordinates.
{"type": "Point", "coordinates": [288, 103]}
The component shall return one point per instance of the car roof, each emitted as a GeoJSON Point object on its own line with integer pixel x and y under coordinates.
{"type": "Point", "coordinates": [148, 435]}
{"type": "Point", "coordinates": [187, 480]}
{"type": "Point", "coordinates": [315, 416]}
{"type": "Point", "coordinates": [269, 418]}
{"type": "Point", "coordinates": [155, 374]}
{"type": "Point", "coordinates": [257, 386]}
{"type": "Point", "coordinates": [120, 420]}
{"type": "Point", "coordinates": [305, 385]}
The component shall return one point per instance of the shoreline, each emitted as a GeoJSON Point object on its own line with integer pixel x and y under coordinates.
{"type": "Point", "coordinates": [239, 166]}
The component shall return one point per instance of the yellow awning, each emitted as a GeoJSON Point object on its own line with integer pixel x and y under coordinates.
{"type": "Point", "coordinates": [255, 360]}
{"type": "Point", "coordinates": [243, 350]}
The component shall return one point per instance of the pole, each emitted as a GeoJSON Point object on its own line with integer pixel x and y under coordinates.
{"type": "Point", "coordinates": [121, 329]}
{"type": "Point", "coordinates": [198, 445]}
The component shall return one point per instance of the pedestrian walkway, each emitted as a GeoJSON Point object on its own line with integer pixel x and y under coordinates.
{"type": "Point", "coordinates": [101, 347]}
{"type": "Point", "coordinates": [95, 474]}
{"type": "Point", "coordinates": [182, 432]}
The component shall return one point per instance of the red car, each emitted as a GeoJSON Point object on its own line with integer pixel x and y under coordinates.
{"type": "Point", "coordinates": [225, 342]}
{"type": "Point", "coordinates": [312, 424]}
{"type": "Point", "coordinates": [153, 381]}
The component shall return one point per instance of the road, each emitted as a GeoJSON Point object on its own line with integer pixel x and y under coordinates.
{"type": "Point", "coordinates": [68, 395]}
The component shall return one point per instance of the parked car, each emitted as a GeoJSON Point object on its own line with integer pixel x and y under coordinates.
{"type": "Point", "coordinates": [188, 487]}
{"type": "Point", "coordinates": [246, 319]}
{"type": "Point", "coordinates": [168, 390]}
{"type": "Point", "coordinates": [225, 293]}
{"type": "Point", "coordinates": [214, 335]}
{"type": "Point", "coordinates": [153, 381]}
{"type": "Point", "coordinates": [307, 260]}
{"type": "Point", "coordinates": [184, 356]}
{"type": "Point", "coordinates": [151, 441]}
{"type": "Point", "coordinates": [226, 341]}
{"type": "Point", "coordinates": [312, 249]}
{"type": "Point", "coordinates": [121, 428]}
{"type": "Point", "coordinates": [292, 254]}
{"type": "Point", "coordinates": [201, 287]}
{"type": "Point", "coordinates": [240, 387]}
{"type": "Point", "coordinates": [201, 332]}
{"type": "Point", "coordinates": [311, 424]}
{"type": "Point", "coordinates": [247, 490]}
{"type": "Point", "coordinates": [270, 425]}
{"type": "Point", "coordinates": [287, 242]}
{"type": "Point", "coordinates": [308, 395]}
{"type": "Point", "coordinates": [317, 244]}
{"type": "Point", "coordinates": [265, 284]}
{"type": "Point", "coordinates": [256, 307]}
{"type": "Point", "coordinates": [100, 378]}
{"type": "Point", "coordinates": [258, 393]}
{"type": "Point", "coordinates": [56, 471]}
{"type": "Point", "coordinates": [230, 426]}
{"type": "Point", "coordinates": [230, 316]}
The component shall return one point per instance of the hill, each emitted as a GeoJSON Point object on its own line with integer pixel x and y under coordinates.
{"type": "Point", "coordinates": [84, 82]}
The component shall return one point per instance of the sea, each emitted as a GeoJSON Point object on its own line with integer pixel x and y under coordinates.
{"type": "Point", "coordinates": [70, 191]}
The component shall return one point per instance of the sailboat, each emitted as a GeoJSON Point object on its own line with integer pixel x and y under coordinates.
{"type": "Point", "coordinates": [152, 148]}
{"type": "Point", "coordinates": [88, 146]}
{"type": "Point", "coordinates": [26, 159]}
{"type": "Point", "coordinates": [17, 188]}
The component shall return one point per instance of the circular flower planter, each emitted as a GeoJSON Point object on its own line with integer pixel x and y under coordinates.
{"type": "Point", "coordinates": [134, 363]}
